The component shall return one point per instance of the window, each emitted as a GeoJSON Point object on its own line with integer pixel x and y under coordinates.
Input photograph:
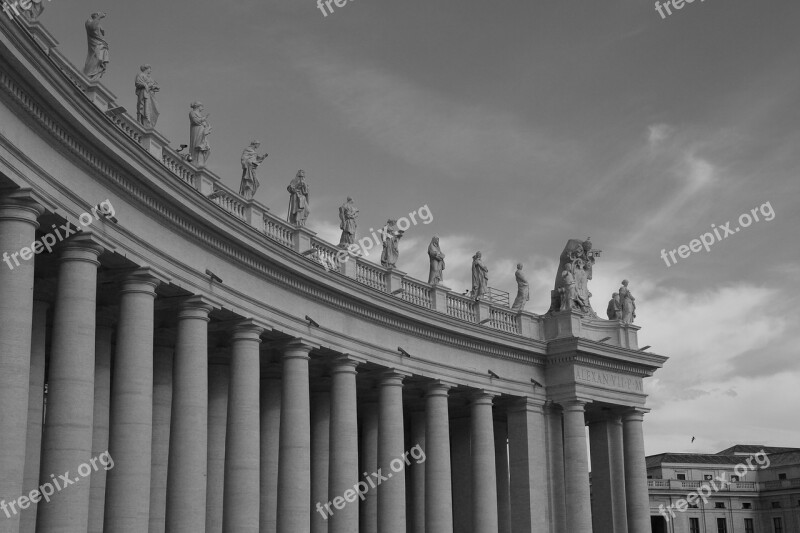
{"type": "Point", "coordinates": [722, 525]}
{"type": "Point", "coordinates": [781, 476]}
{"type": "Point", "coordinates": [778, 523]}
{"type": "Point", "coordinates": [692, 506]}
{"type": "Point", "coordinates": [708, 477]}
{"type": "Point", "coordinates": [719, 505]}
{"type": "Point", "coordinates": [734, 479]}
{"type": "Point", "coordinates": [776, 505]}
{"type": "Point", "coordinates": [682, 477]}
{"type": "Point", "coordinates": [747, 505]}
{"type": "Point", "coordinates": [694, 525]}
{"type": "Point", "coordinates": [748, 526]}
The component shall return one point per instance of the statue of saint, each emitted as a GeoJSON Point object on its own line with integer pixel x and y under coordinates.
{"type": "Point", "coordinates": [250, 161]}
{"type": "Point", "coordinates": [571, 299]}
{"type": "Point", "coordinates": [298, 199]}
{"type": "Point", "coordinates": [146, 106]}
{"type": "Point", "coordinates": [435, 276]}
{"type": "Point", "coordinates": [199, 130]}
{"type": "Point", "coordinates": [480, 277]}
{"type": "Point", "coordinates": [522, 290]}
{"type": "Point", "coordinates": [628, 303]}
{"type": "Point", "coordinates": [576, 264]}
{"type": "Point", "coordinates": [391, 236]}
{"type": "Point", "coordinates": [347, 223]}
{"type": "Point", "coordinates": [97, 56]}
{"type": "Point", "coordinates": [614, 310]}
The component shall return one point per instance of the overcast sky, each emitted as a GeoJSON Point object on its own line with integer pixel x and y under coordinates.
{"type": "Point", "coordinates": [522, 124]}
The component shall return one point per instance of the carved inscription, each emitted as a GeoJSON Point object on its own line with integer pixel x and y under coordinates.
{"type": "Point", "coordinates": [608, 379]}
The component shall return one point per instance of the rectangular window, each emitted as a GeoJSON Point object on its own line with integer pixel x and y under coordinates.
{"type": "Point", "coordinates": [719, 505]}
{"type": "Point", "coordinates": [708, 477]}
{"type": "Point", "coordinates": [682, 477]}
{"type": "Point", "coordinates": [781, 476]}
{"type": "Point", "coordinates": [747, 505]}
{"type": "Point", "coordinates": [748, 525]}
{"type": "Point", "coordinates": [776, 505]}
{"type": "Point", "coordinates": [734, 479]}
{"type": "Point", "coordinates": [694, 525]}
{"type": "Point", "coordinates": [778, 523]}
{"type": "Point", "coordinates": [722, 525]}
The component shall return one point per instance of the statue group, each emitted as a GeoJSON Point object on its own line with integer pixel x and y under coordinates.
{"type": "Point", "coordinates": [571, 291]}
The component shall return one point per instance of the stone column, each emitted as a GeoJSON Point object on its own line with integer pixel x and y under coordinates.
{"type": "Point", "coordinates": [131, 422]}
{"type": "Point", "coordinates": [576, 471]}
{"type": "Point", "coordinates": [270, 442]}
{"type": "Point", "coordinates": [617, 462]}
{"type": "Point", "coordinates": [555, 466]}
{"type": "Point", "coordinates": [162, 408]}
{"type": "Point", "coordinates": [218, 388]}
{"type": "Point", "coordinates": [294, 472]}
{"type": "Point", "coordinates": [18, 225]}
{"type": "Point", "coordinates": [461, 474]}
{"type": "Point", "coordinates": [528, 464]}
{"type": "Point", "coordinates": [417, 473]}
{"type": "Point", "coordinates": [102, 412]}
{"type": "Point", "coordinates": [70, 386]}
{"type": "Point", "coordinates": [343, 447]}
{"type": "Point", "coordinates": [320, 453]}
{"type": "Point", "coordinates": [368, 522]}
{"type": "Point", "coordinates": [638, 500]}
{"type": "Point", "coordinates": [501, 467]}
{"type": "Point", "coordinates": [391, 444]}
{"type": "Point", "coordinates": [242, 467]}
{"type": "Point", "coordinates": [188, 439]}
{"type": "Point", "coordinates": [608, 513]}
{"type": "Point", "coordinates": [438, 489]}
{"type": "Point", "coordinates": [484, 477]}
{"type": "Point", "coordinates": [33, 447]}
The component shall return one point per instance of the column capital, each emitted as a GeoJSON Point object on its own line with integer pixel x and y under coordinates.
{"type": "Point", "coordinates": [196, 307]}
{"type": "Point", "coordinates": [392, 377]}
{"type": "Point", "coordinates": [81, 248]}
{"type": "Point", "coordinates": [552, 408]}
{"type": "Point", "coordinates": [20, 205]}
{"type": "Point", "coordinates": [438, 388]}
{"type": "Point", "coordinates": [344, 364]}
{"type": "Point", "coordinates": [634, 414]}
{"type": "Point", "coordinates": [482, 397]}
{"type": "Point", "coordinates": [527, 404]}
{"type": "Point", "coordinates": [297, 347]}
{"type": "Point", "coordinates": [140, 281]}
{"type": "Point", "coordinates": [574, 404]}
{"type": "Point", "coordinates": [247, 330]}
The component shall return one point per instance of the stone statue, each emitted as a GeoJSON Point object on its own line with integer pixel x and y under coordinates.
{"type": "Point", "coordinates": [628, 303]}
{"type": "Point", "coordinates": [36, 9]}
{"type": "Point", "coordinates": [435, 276]}
{"type": "Point", "coordinates": [298, 199]}
{"type": "Point", "coordinates": [574, 272]}
{"type": "Point", "coordinates": [250, 161]}
{"type": "Point", "coordinates": [391, 236]}
{"type": "Point", "coordinates": [97, 56]}
{"type": "Point", "coordinates": [199, 130]}
{"type": "Point", "coordinates": [522, 290]}
{"type": "Point", "coordinates": [347, 223]}
{"type": "Point", "coordinates": [614, 310]}
{"type": "Point", "coordinates": [146, 106]}
{"type": "Point", "coordinates": [480, 277]}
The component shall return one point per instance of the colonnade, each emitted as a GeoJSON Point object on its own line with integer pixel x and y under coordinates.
{"type": "Point", "coordinates": [253, 443]}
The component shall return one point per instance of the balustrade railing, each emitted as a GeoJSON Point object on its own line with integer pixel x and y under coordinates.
{"type": "Point", "coordinates": [503, 320]}
{"type": "Point", "coordinates": [178, 166]}
{"type": "Point", "coordinates": [326, 254]}
{"type": "Point", "coordinates": [278, 230]}
{"type": "Point", "coordinates": [228, 200]}
{"type": "Point", "coordinates": [370, 275]}
{"type": "Point", "coordinates": [417, 293]}
{"type": "Point", "coordinates": [461, 307]}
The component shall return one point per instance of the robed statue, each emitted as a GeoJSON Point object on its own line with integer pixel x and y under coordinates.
{"type": "Point", "coordinates": [347, 223]}
{"type": "Point", "coordinates": [480, 277]}
{"type": "Point", "coordinates": [614, 310]}
{"type": "Point", "coordinates": [298, 199]}
{"type": "Point", "coordinates": [523, 294]}
{"type": "Point", "coordinates": [571, 290]}
{"type": "Point", "coordinates": [146, 106]}
{"type": "Point", "coordinates": [435, 276]}
{"type": "Point", "coordinates": [250, 162]}
{"type": "Point", "coordinates": [628, 303]}
{"type": "Point", "coordinates": [199, 130]}
{"type": "Point", "coordinates": [391, 236]}
{"type": "Point", "coordinates": [97, 55]}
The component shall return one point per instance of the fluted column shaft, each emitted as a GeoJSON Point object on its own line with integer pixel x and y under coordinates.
{"type": "Point", "coordinates": [320, 455]}
{"type": "Point", "coordinates": [33, 447]}
{"type": "Point", "coordinates": [218, 388]}
{"type": "Point", "coordinates": [294, 473]}
{"type": "Point", "coordinates": [17, 230]}
{"type": "Point", "coordinates": [343, 447]}
{"type": "Point", "coordinates": [484, 476]}
{"type": "Point", "coordinates": [438, 489]}
{"type": "Point", "coordinates": [70, 399]}
{"type": "Point", "coordinates": [528, 464]}
{"type": "Point", "coordinates": [102, 414]}
{"type": "Point", "coordinates": [368, 522]}
{"type": "Point", "coordinates": [188, 440]}
{"type": "Point", "coordinates": [131, 422]}
{"type": "Point", "coordinates": [242, 467]}
{"type": "Point", "coordinates": [555, 467]}
{"type": "Point", "coordinates": [162, 413]}
{"type": "Point", "coordinates": [638, 503]}
{"type": "Point", "coordinates": [391, 444]}
{"type": "Point", "coordinates": [270, 443]}
{"type": "Point", "coordinates": [576, 471]}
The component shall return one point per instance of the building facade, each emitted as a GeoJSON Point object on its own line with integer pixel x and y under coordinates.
{"type": "Point", "coordinates": [745, 488]}
{"type": "Point", "coordinates": [181, 357]}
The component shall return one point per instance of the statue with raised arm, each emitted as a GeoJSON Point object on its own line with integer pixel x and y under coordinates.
{"type": "Point", "coordinates": [575, 267]}
{"type": "Point", "coordinates": [250, 162]}
{"type": "Point", "coordinates": [347, 223]}
{"type": "Point", "coordinates": [298, 199]}
{"type": "Point", "coordinates": [146, 106]}
{"type": "Point", "coordinates": [435, 276]}
{"type": "Point", "coordinates": [523, 294]}
{"type": "Point", "coordinates": [391, 236]}
{"type": "Point", "coordinates": [97, 56]}
{"type": "Point", "coordinates": [199, 130]}
{"type": "Point", "coordinates": [614, 310]}
{"type": "Point", "coordinates": [480, 277]}
{"type": "Point", "coordinates": [628, 303]}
